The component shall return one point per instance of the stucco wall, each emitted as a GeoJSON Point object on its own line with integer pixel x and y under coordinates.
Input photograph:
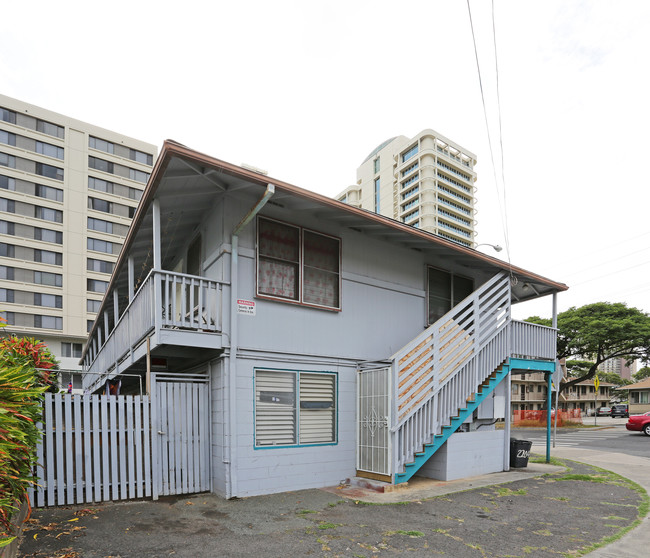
{"type": "Point", "coordinates": [467, 454]}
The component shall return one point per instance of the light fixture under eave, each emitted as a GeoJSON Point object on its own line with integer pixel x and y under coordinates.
{"type": "Point", "coordinates": [496, 247]}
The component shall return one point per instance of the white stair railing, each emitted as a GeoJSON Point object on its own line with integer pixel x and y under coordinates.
{"type": "Point", "coordinates": [438, 371]}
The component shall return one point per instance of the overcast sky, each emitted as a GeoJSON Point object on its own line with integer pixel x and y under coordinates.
{"type": "Point", "coordinates": [307, 89]}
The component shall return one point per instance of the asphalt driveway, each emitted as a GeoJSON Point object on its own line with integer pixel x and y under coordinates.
{"type": "Point", "coordinates": [555, 514]}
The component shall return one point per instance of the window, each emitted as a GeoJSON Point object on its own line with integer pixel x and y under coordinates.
{"type": "Point", "coordinates": [284, 271]}
{"type": "Point", "coordinates": [445, 291]}
{"type": "Point", "coordinates": [48, 300]}
{"type": "Point", "coordinates": [89, 325]}
{"type": "Point", "coordinates": [49, 171]}
{"type": "Point", "coordinates": [8, 115]}
{"type": "Point", "coordinates": [8, 206]}
{"type": "Point", "coordinates": [7, 250]}
{"type": "Point", "coordinates": [100, 185]}
{"type": "Point", "coordinates": [6, 295]}
{"type": "Point", "coordinates": [50, 129]}
{"type": "Point", "coordinates": [46, 278]}
{"type": "Point", "coordinates": [48, 214]}
{"type": "Point", "coordinates": [99, 205]}
{"type": "Point", "coordinates": [410, 153]}
{"type": "Point", "coordinates": [9, 317]}
{"type": "Point", "coordinates": [97, 286]}
{"type": "Point", "coordinates": [71, 350]}
{"type": "Point", "coordinates": [100, 164]}
{"type": "Point", "coordinates": [7, 273]}
{"type": "Point", "coordinates": [377, 194]}
{"type": "Point", "coordinates": [101, 144]}
{"type": "Point", "coordinates": [100, 245]}
{"type": "Point", "coordinates": [100, 225]}
{"type": "Point", "coordinates": [7, 160]}
{"type": "Point", "coordinates": [7, 137]}
{"type": "Point", "coordinates": [48, 192]}
{"type": "Point", "coordinates": [138, 176]}
{"type": "Point", "coordinates": [45, 256]}
{"type": "Point", "coordinates": [49, 150]}
{"type": "Point", "coordinates": [7, 183]}
{"type": "Point", "coordinates": [99, 265]}
{"type": "Point", "coordinates": [48, 322]}
{"type": "Point", "coordinates": [6, 227]}
{"type": "Point", "coordinates": [376, 165]}
{"type": "Point", "coordinates": [294, 408]}
{"type": "Point", "coordinates": [93, 305]}
{"type": "Point", "coordinates": [141, 157]}
{"type": "Point", "coordinates": [48, 235]}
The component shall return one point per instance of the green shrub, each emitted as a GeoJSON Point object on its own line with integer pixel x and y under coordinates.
{"type": "Point", "coordinates": [26, 371]}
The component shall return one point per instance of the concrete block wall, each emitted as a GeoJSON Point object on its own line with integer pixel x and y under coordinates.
{"type": "Point", "coordinates": [270, 470]}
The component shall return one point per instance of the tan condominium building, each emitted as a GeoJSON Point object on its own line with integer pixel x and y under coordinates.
{"type": "Point", "coordinates": [68, 192]}
{"type": "Point", "coordinates": [426, 181]}
{"type": "Point", "coordinates": [619, 366]}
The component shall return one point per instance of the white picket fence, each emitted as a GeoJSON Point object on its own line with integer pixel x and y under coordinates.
{"type": "Point", "coordinates": [96, 448]}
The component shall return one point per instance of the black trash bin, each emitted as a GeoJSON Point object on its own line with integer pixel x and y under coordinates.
{"type": "Point", "coordinates": [519, 452]}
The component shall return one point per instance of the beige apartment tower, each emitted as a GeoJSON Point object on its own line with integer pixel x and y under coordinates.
{"type": "Point", "coordinates": [68, 192]}
{"type": "Point", "coordinates": [426, 181]}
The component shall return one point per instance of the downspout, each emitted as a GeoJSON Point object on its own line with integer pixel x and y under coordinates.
{"type": "Point", "coordinates": [231, 463]}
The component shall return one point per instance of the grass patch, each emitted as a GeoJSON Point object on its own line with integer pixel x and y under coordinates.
{"type": "Point", "coordinates": [505, 491]}
{"type": "Point", "coordinates": [642, 511]}
{"type": "Point", "coordinates": [324, 525]}
{"type": "Point", "coordinates": [585, 478]}
{"type": "Point", "coordinates": [543, 533]}
{"type": "Point", "coordinates": [535, 458]}
{"type": "Point", "coordinates": [305, 512]}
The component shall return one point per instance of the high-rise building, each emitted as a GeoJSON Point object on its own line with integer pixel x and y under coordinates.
{"type": "Point", "coordinates": [68, 192]}
{"type": "Point", "coordinates": [620, 367]}
{"type": "Point", "coordinates": [426, 181]}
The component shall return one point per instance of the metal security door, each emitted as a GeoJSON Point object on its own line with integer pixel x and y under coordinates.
{"type": "Point", "coordinates": [180, 418]}
{"type": "Point", "coordinates": [374, 437]}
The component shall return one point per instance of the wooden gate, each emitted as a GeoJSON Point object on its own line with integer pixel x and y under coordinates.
{"type": "Point", "coordinates": [97, 448]}
{"type": "Point", "coordinates": [180, 418]}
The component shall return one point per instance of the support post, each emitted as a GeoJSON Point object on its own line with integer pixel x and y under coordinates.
{"type": "Point", "coordinates": [157, 289]}
{"type": "Point", "coordinates": [549, 394]}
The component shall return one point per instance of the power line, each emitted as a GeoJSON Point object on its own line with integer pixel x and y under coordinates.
{"type": "Point", "coordinates": [503, 172]}
{"type": "Point", "coordinates": [610, 274]}
{"type": "Point", "coordinates": [487, 127]}
{"type": "Point", "coordinates": [608, 262]}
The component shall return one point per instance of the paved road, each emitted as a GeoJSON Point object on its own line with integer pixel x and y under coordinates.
{"type": "Point", "coordinates": [610, 435]}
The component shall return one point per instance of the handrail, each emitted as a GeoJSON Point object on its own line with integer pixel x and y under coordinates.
{"type": "Point", "coordinates": [429, 361]}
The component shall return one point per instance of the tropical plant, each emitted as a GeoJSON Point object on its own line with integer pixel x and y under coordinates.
{"type": "Point", "coordinates": [26, 371]}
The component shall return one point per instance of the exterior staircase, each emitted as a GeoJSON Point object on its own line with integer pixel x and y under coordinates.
{"type": "Point", "coordinates": [409, 409]}
{"type": "Point", "coordinates": [464, 413]}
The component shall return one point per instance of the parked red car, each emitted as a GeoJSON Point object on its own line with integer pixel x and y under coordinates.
{"type": "Point", "coordinates": [639, 423]}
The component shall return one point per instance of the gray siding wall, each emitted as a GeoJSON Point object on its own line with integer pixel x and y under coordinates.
{"type": "Point", "coordinates": [383, 300]}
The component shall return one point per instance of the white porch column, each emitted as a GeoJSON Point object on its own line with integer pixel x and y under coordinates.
{"type": "Point", "coordinates": [131, 265]}
{"type": "Point", "coordinates": [157, 266]}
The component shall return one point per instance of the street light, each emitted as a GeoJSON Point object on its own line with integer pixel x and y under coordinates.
{"type": "Point", "coordinates": [496, 247]}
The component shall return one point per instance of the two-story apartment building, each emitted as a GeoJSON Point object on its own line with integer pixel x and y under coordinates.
{"type": "Point", "coordinates": [291, 341]}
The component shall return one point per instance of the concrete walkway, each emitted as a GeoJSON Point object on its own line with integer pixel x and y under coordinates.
{"type": "Point", "coordinates": [636, 543]}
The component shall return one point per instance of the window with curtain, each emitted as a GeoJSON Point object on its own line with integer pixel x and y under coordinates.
{"type": "Point", "coordinates": [294, 408]}
{"type": "Point", "coordinates": [298, 265]}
